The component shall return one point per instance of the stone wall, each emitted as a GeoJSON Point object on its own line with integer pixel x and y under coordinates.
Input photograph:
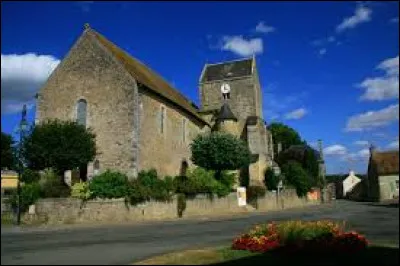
{"type": "Point", "coordinates": [165, 151]}
{"type": "Point", "coordinates": [73, 211]}
{"type": "Point", "coordinates": [88, 72]}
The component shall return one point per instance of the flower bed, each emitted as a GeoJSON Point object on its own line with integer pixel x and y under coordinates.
{"type": "Point", "coordinates": [296, 236]}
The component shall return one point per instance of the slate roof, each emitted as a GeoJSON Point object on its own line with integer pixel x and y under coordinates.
{"type": "Point", "coordinates": [148, 77]}
{"type": "Point", "coordinates": [387, 162]}
{"type": "Point", "coordinates": [225, 113]}
{"type": "Point", "coordinates": [232, 69]}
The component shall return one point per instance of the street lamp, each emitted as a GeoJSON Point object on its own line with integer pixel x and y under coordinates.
{"type": "Point", "coordinates": [22, 128]}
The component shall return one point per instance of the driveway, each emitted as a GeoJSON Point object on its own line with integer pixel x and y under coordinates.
{"type": "Point", "coordinates": [128, 243]}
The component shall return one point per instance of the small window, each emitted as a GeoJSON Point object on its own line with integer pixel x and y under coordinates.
{"type": "Point", "coordinates": [397, 184]}
{"type": "Point", "coordinates": [81, 112]}
{"type": "Point", "coordinates": [96, 167]}
{"type": "Point", "coordinates": [162, 119]}
{"type": "Point", "coordinates": [184, 130]}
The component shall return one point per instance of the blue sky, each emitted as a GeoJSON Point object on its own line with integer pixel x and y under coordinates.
{"type": "Point", "coordinates": [327, 69]}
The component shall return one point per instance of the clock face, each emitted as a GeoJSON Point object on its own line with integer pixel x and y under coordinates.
{"type": "Point", "coordinates": [225, 88]}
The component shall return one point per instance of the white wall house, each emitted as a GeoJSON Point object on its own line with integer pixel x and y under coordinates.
{"type": "Point", "coordinates": [350, 182]}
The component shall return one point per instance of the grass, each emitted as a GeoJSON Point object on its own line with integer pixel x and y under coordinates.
{"type": "Point", "coordinates": [7, 219]}
{"type": "Point", "coordinates": [374, 255]}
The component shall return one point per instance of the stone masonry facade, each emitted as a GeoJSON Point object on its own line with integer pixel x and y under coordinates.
{"type": "Point", "coordinates": [140, 121]}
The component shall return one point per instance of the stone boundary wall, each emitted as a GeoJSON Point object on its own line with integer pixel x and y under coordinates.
{"type": "Point", "coordinates": [73, 211]}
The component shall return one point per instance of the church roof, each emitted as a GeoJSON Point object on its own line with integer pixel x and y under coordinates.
{"type": "Point", "coordinates": [226, 113]}
{"type": "Point", "coordinates": [148, 77]}
{"type": "Point", "coordinates": [387, 162]}
{"type": "Point", "coordinates": [225, 70]}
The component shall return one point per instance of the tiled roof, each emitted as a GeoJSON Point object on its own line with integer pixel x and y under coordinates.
{"type": "Point", "coordinates": [387, 162]}
{"type": "Point", "coordinates": [226, 70]}
{"type": "Point", "coordinates": [148, 77]}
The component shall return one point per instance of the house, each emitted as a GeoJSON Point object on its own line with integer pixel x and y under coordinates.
{"type": "Point", "coordinates": [383, 175]}
{"type": "Point", "coordinates": [349, 183]}
{"type": "Point", "coordinates": [143, 122]}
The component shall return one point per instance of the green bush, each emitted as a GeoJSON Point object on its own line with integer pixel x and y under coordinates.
{"type": "Point", "coordinates": [271, 180]}
{"type": "Point", "coordinates": [30, 176]}
{"type": "Point", "coordinates": [61, 145]}
{"type": "Point", "coordinates": [149, 187]}
{"type": "Point", "coordinates": [255, 192]}
{"type": "Point", "coordinates": [181, 206]}
{"type": "Point", "coordinates": [52, 185]}
{"type": "Point", "coordinates": [296, 176]}
{"type": "Point", "coordinates": [202, 181]}
{"type": "Point", "coordinates": [220, 151]}
{"type": "Point", "coordinates": [29, 194]}
{"type": "Point", "coordinates": [108, 185]}
{"type": "Point", "coordinates": [81, 191]}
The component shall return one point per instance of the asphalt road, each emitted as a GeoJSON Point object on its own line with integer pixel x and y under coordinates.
{"type": "Point", "coordinates": [129, 243]}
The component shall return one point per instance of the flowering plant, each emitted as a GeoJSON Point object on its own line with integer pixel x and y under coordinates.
{"type": "Point", "coordinates": [305, 236]}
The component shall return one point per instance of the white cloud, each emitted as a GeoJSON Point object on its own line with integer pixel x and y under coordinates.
{"type": "Point", "coordinates": [361, 143]}
{"type": "Point", "coordinates": [296, 114]}
{"type": "Point", "coordinates": [263, 28]}
{"type": "Point", "coordinates": [322, 51]}
{"type": "Point", "coordinates": [393, 145]}
{"type": "Point", "coordinates": [241, 46]}
{"type": "Point", "coordinates": [360, 155]}
{"type": "Point", "coordinates": [331, 39]}
{"type": "Point", "coordinates": [335, 150]}
{"type": "Point", "coordinates": [21, 77]}
{"type": "Point", "coordinates": [276, 104]}
{"type": "Point", "coordinates": [373, 119]}
{"type": "Point", "coordinates": [394, 20]}
{"type": "Point", "coordinates": [390, 66]}
{"type": "Point", "coordinates": [385, 87]}
{"type": "Point", "coordinates": [362, 14]}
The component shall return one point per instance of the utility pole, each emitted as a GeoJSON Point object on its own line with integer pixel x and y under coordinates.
{"type": "Point", "coordinates": [322, 170]}
{"type": "Point", "coordinates": [22, 127]}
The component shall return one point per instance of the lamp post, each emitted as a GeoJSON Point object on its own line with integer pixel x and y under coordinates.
{"type": "Point", "coordinates": [22, 127]}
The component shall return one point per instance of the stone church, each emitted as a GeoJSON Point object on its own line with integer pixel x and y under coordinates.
{"type": "Point", "coordinates": [141, 121]}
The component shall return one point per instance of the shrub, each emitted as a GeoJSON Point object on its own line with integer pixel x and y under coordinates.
{"type": "Point", "coordinates": [81, 191]}
{"type": "Point", "coordinates": [220, 151]}
{"type": "Point", "coordinates": [29, 194]}
{"type": "Point", "coordinates": [271, 180]}
{"type": "Point", "coordinates": [254, 192]}
{"type": "Point", "coordinates": [61, 145]}
{"type": "Point", "coordinates": [202, 181]}
{"type": "Point", "coordinates": [298, 177]}
{"type": "Point", "coordinates": [148, 186]}
{"type": "Point", "coordinates": [108, 185]}
{"type": "Point", "coordinates": [52, 185]}
{"type": "Point", "coordinates": [181, 206]}
{"type": "Point", "coordinates": [30, 176]}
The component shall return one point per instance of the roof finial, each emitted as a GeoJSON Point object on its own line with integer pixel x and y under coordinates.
{"type": "Point", "coordinates": [87, 26]}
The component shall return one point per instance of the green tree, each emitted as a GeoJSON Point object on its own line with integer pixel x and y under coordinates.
{"type": "Point", "coordinates": [296, 176]}
{"type": "Point", "coordinates": [271, 179]}
{"type": "Point", "coordinates": [8, 159]}
{"type": "Point", "coordinates": [285, 135]}
{"type": "Point", "coordinates": [220, 151]}
{"type": "Point", "coordinates": [61, 145]}
{"type": "Point", "coordinates": [307, 157]}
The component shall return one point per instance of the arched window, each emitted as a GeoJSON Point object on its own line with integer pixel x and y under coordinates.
{"type": "Point", "coordinates": [184, 130]}
{"type": "Point", "coordinates": [81, 112]}
{"type": "Point", "coordinates": [162, 119]}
